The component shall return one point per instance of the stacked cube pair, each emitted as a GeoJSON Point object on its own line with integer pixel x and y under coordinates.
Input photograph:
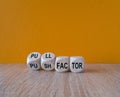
{"type": "Point", "coordinates": [48, 61]}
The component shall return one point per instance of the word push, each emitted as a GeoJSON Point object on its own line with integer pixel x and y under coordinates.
{"type": "Point", "coordinates": [48, 61]}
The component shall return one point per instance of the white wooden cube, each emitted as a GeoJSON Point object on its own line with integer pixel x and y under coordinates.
{"type": "Point", "coordinates": [33, 60]}
{"type": "Point", "coordinates": [62, 64]}
{"type": "Point", "coordinates": [76, 64]}
{"type": "Point", "coordinates": [48, 61]}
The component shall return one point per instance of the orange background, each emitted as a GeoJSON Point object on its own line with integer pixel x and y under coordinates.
{"type": "Point", "coordinates": [90, 28]}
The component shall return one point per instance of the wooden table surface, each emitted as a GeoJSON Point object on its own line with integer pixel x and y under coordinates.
{"type": "Point", "coordinates": [98, 80]}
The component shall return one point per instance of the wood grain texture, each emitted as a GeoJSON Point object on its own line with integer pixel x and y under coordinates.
{"type": "Point", "coordinates": [98, 80]}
